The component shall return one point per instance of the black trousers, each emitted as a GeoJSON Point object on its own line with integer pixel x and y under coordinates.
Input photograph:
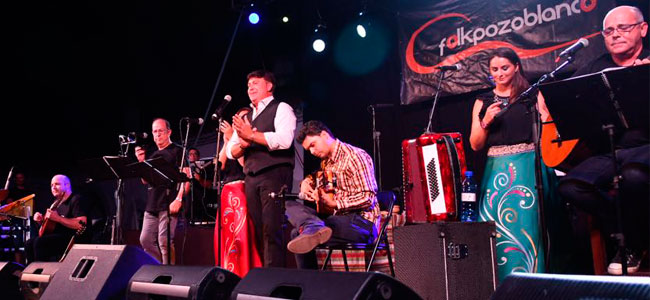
{"type": "Point", "coordinates": [268, 214]}
{"type": "Point", "coordinates": [49, 247]}
{"type": "Point", "coordinates": [588, 187]}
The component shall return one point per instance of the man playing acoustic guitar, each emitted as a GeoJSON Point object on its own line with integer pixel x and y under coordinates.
{"type": "Point", "coordinates": [352, 199]}
{"type": "Point", "coordinates": [67, 216]}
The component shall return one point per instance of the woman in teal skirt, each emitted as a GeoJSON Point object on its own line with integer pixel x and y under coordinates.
{"type": "Point", "coordinates": [508, 194]}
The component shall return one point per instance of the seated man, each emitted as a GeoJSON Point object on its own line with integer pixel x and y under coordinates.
{"type": "Point", "coordinates": [66, 217]}
{"type": "Point", "coordinates": [352, 201]}
{"type": "Point", "coordinates": [587, 185]}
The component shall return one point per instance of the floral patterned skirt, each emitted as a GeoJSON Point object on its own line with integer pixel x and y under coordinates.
{"type": "Point", "coordinates": [509, 198]}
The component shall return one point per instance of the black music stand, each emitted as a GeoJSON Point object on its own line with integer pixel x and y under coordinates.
{"type": "Point", "coordinates": [597, 105]}
{"type": "Point", "coordinates": [111, 168]}
{"type": "Point", "coordinates": [158, 172]}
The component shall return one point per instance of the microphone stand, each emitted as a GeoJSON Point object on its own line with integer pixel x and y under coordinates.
{"type": "Point", "coordinates": [216, 185]}
{"type": "Point", "coordinates": [530, 103]}
{"type": "Point", "coordinates": [376, 149]}
{"type": "Point", "coordinates": [116, 225]}
{"type": "Point", "coordinates": [179, 186]}
{"type": "Point", "coordinates": [435, 100]}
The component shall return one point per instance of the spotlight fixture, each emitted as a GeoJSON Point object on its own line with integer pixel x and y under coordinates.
{"type": "Point", "coordinates": [253, 17]}
{"type": "Point", "coordinates": [363, 24]}
{"type": "Point", "coordinates": [318, 41]}
{"type": "Point", "coordinates": [285, 19]}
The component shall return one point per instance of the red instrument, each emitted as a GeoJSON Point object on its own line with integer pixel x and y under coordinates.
{"type": "Point", "coordinates": [433, 168]}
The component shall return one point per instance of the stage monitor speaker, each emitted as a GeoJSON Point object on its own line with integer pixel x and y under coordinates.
{"type": "Point", "coordinates": [36, 277]}
{"type": "Point", "coordinates": [556, 286]}
{"type": "Point", "coordinates": [182, 282]}
{"type": "Point", "coordinates": [447, 260]}
{"type": "Point", "coordinates": [96, 272]}
{"type": "Point", "coordinates": [9, 279]}
{"type": "Point", "coordinates": [270, 283]}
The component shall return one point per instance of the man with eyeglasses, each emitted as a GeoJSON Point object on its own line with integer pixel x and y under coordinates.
{"type": "Point", "coordinates": [161, 198]}
{"type": "Point", "coordinates": [587, 186]}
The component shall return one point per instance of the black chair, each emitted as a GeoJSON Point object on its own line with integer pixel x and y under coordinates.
{"type": "Point", "coordinates": [386, 200]}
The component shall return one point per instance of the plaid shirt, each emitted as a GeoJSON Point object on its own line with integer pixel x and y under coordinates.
{"type": "Point", "coordinates": [356, 188]}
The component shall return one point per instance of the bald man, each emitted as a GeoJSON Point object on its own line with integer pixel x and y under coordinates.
{"type": "Point", "coordinates": [69, 213]}
{"type": "Point", "coordinates": [587, 185]}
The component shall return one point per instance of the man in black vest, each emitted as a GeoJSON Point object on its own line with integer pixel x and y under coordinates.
{"type": "Point", "coordinates": [265, 139]}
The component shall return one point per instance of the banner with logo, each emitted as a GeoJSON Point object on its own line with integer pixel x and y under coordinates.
{"type": "Point", "coordinates": [448, 32]}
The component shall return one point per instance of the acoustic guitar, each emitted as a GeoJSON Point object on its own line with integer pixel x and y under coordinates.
{"type": "Point", "coordinates": [49, 225]}
{"type": "Point", "coordinates": [561, 154]}
{"type": "Point", "coordinates": [325, 182]}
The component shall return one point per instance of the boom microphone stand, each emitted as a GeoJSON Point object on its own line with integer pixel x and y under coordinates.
{"type": "Point", "coordinates": [529, 98]}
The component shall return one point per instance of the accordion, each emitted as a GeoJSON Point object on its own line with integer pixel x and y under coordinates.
{"type": "Point", "coordinates": [432, 166]}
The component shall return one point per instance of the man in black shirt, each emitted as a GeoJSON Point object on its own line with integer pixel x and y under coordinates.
{"type": "Point", "coordinates": [587, 185]}
{"type": "Point", "coordinates": [153, 237]}
{"type": "Point", "coordinates": [66, 217]}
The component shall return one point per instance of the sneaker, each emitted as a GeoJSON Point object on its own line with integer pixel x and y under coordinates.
{"type": "Point", "coordinates": [309, 239]}
{"type": "Point", "coordinates": [633, 263]}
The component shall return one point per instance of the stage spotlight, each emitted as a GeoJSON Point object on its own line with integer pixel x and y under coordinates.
{"type": "Point", "coordinates": [361, 31]}
{"type": "Point", "coordinates": [253, 18]}
{"type": "Point", "coordinates": [319, 38]}
{"type": "Point", "coordinates": [318, 45]}
{"type": "Point", "coordinates": [285, 19]}
{"type": "Point", "coordinates": [363, 24]}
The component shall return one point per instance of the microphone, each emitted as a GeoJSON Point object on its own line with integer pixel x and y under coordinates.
{"type": "Point", "coordinates": [198, 121]}
{"type": "Point", "coordinates": [581, 43]}
{"type": "Point", "coordinates": [455, 67]}
{"type": "Point", "coordinates": [372, 107]}
{"type": "Point", "coordinates": [139, 135]}
{"type": "Point", "coordinates": [217, 112]}
{"type": "Point", "coordinates": [133, 137]}
{"type": "Point", "coordinates": [288, 196]}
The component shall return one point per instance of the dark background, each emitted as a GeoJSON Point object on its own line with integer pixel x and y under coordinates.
{"type": "Point", "coordinates": [82, 72]}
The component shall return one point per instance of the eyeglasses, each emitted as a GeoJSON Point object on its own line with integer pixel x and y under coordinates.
{"type": "Point", "coordinates": [620, 28]}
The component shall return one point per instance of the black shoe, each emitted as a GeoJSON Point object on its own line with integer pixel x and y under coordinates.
{"type": "Point", "coordinates": [309, 239]}
{"type": "Point", "coordinates": [633, 263]}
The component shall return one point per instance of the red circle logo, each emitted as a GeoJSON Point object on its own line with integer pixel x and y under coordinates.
{"type": "Point", "coordinates": [588, 5]}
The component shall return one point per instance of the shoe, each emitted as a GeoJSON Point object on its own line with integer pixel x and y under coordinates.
{"type": "Point", "coordinates": [633, 263]}
{"type": "Point", "coordinates": [309, 239]}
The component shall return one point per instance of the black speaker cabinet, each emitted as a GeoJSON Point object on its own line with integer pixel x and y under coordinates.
{"type": "Point", "coordinates": [182, 282]}
{"type": "Point", "coordinates": [447, 260]}
{"type": "Point", "coordinates": [96, 272]}
{"type": "Point", "coordinates": [36, 277]}
{"type": "Point", "coordinates": [9, 277]}
{"type": "Point", "coordinates": [312, 284]}
{"type": "Point", "coordinates": [556, 286]}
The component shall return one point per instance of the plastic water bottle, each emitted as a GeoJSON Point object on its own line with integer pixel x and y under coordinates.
{"type": "Point", "coordinates": [469, 210]}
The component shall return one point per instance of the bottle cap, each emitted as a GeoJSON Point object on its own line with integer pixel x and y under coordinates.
{"type": "Point", "coordinates": [468, 173]}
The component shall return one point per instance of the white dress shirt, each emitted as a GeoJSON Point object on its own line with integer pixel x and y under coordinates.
{"type": "Point", "coordinates": [284, 122]}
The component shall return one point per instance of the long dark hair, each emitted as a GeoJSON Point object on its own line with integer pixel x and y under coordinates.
{"type": "Point", "coordinates": [519, 82]}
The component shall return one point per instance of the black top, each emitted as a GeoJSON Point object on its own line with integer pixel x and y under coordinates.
{"type": "Point", "coordinates": [75, 206]}
{"type": "Point", "coordinates": [513, 127]}
{"type": "Point", "coordinates": [633, 137]}
{"type": "Point", "coordinates": [258, 158]}
{"type": "Point", "coordinates": [159, 197]}
{"type": "Point", "coordinates": [233, 171]}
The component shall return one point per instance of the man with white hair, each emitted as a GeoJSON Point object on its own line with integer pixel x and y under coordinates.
{"type": "Point", "coordinates": [68, 215]}
{"type": "Point", "coordinates": [587, 185]}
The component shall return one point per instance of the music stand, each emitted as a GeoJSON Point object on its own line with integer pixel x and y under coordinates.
{"type": "Point", "coordinates": [610, 100]}
{"type": "Point", "coordinates": [158, 172]}
{"type": "Point", "coordinates": [111, 168]}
